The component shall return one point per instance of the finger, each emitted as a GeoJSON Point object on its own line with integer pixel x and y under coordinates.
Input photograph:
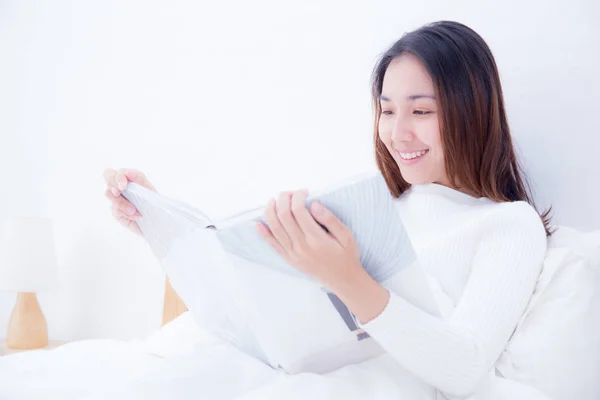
{"type": "Point", "coordinates": [119, 216]}
{"type": "Point", "coordinates": [121, 180]}
{"type": "Point", "coordinates": [109, 178]}
{"type": "Point", "coordinates": [129, 224]}
{"type": "Point", "coordinates": [109, 175]}
{"type": "Point", "coordinates": [305, 220]}
{"type": "Point", "coordinates": [121, 213]}
{"type": "Point", "coordinates": [336, 228]}
{"type": "Point", "coordinates": [275, 226]}
{"type": "Point", "coordinates": [135, 228]}
{"type": "Point", "coordinates": [268, 236]}
{"type": "Point", "coordinates": [286, 217]}
{"type": "Point", "coordinates": [134, 175]}
{"type": "Point", "coordinates": [121, 203]}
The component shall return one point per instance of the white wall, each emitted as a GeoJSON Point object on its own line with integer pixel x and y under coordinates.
{"type": "Point", "coordinates": [225, 103]}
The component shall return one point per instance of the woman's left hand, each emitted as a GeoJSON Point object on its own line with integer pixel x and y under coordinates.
{"type": "Point", "coordinates": [332, 258]}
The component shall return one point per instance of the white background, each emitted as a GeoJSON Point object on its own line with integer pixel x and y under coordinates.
{"type": "Point", "coordinates": [223, 104]}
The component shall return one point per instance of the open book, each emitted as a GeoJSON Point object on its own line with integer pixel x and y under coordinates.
{"type": "Point", "coordinates": [238, 287]}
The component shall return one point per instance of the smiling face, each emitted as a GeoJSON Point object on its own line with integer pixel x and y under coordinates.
{"type": "Point", "coordinates": [409, 125]}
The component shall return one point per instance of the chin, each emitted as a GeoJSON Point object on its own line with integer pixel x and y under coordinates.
{"type": "Point", "coordinates": [418, 181]}
{"type": "Point", "coordinates": [415, 178]}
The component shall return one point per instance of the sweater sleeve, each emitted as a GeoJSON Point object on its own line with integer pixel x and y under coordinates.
{"type": "Point", "coordinates": [454, 355]}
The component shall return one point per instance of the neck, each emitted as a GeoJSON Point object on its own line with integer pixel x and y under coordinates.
{"type": "Point", "coordinates": [457, 186]}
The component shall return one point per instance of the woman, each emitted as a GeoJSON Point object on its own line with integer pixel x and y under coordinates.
{"type": "Point", "coordinates": [443, 144]}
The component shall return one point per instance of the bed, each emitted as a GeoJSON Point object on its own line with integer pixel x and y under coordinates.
{"type": "Point", "coordinates": [182, 361]}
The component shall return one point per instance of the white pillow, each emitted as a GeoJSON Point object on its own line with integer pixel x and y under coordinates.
{"type": "Point", "coordinates": [556, 346]}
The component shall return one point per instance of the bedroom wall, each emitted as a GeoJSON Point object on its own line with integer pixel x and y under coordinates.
{"type": "Point", "coordinates": [224, 103]}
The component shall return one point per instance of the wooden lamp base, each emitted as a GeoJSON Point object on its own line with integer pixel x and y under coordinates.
{"type": "Point", "coordinates": [27, 327]}
{"type": "Point", "coordinates": [173, 306]}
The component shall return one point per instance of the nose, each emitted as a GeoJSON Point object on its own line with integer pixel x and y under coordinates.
{"type": "Point", "coordinates": [402, 131]}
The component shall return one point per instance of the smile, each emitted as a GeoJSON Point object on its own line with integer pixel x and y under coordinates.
{"type": "Point", "coordinates": [413, 155]}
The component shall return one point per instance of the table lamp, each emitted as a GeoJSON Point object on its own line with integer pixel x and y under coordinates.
{"type": "Point", "coordinates": [27, 265]}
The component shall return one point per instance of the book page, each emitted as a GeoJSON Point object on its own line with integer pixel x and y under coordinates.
{"type": "Point", "coordinates": [365, 206]}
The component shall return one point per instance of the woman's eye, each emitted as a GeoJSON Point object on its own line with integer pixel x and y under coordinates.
{"type": "Point", "coordinates": [386, 112]}
{"type": "Point", "coordinates": [421, 112]}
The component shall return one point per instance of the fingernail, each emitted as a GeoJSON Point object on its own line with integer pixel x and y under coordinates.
{"type": "Point", "coordinates": [130, 210]}
{"type": "Point", "coordinates": [114, 191]}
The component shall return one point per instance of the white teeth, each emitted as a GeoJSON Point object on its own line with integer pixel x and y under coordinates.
{"type": "Point", "coordinates": [410, 156]}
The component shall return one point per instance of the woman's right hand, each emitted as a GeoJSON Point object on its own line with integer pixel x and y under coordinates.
{"type": "Point", "coordinates": [123, 211]}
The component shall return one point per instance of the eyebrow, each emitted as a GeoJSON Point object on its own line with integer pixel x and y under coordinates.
{"type": "Point", "coordinates": [411, 97]}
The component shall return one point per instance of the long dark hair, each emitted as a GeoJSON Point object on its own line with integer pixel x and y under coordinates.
{"type": "Point", "coordinates": [478, 148]}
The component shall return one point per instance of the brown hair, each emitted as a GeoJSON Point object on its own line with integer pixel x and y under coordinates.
{"type": "Point", "coordinates": [478, 148]}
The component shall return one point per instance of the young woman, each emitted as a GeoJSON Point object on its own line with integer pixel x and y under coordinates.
{"type": "Point", "coordinates": [443, 144]}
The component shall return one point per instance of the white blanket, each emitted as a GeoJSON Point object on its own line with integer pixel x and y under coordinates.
{"type": "Point", "coordinates": [183, 362]}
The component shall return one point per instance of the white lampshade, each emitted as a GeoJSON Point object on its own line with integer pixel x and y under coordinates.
{"type": "Point", "coordinates": [27, 256]}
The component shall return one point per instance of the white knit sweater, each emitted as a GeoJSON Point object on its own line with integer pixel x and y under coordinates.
{"type": "Point", "coordinates": [486, 258]}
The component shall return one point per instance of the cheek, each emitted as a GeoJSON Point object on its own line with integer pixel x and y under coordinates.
{"type": "Point", "coordinates": [432, 137]}
{"type": "Point", "coordinates": [385, 134]}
